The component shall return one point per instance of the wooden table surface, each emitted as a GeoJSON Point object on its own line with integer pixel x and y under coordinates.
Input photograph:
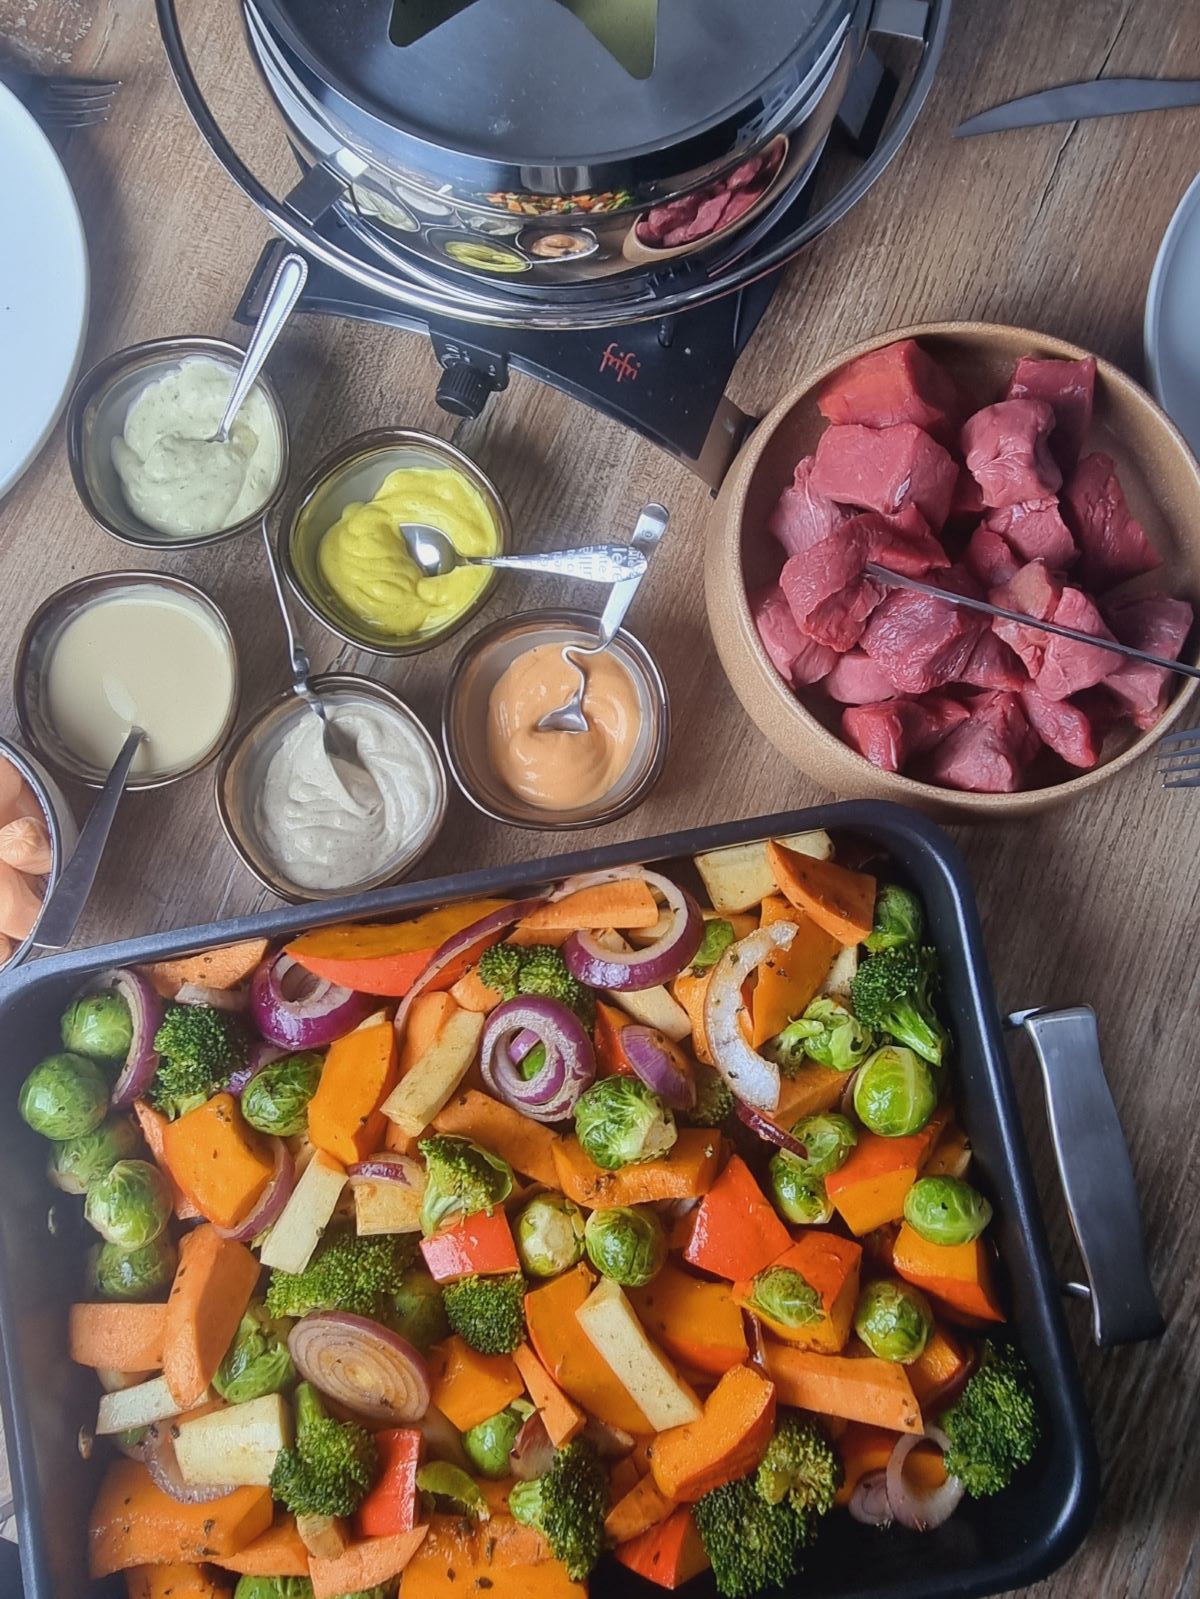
{"type": "Point", "coordinates": [1053, 228]}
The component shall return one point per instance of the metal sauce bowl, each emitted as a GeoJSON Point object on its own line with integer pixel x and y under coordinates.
{"type": "Point", "coordinates": [355, 472]}
{"type": "Point", "coordinates": [465, 714]}
{"type": "Point", "coordinates": [96, 415]}
{"type": "Point", "coordinates": [60, 824]}
{"type": "Point", "coordinates": [41, 634]}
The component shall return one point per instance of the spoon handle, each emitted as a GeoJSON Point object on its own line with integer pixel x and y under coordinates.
{"type": "Point", "coordinates": [651, 525]}
{"type": "Point", "coordinates": [286, 288]}
{"type": "Point", "coordinates": [297, 654]}
{"type": "Point", "coordinates": [593, 563]}
{"type": "Point", "coordinates": [63, 909]}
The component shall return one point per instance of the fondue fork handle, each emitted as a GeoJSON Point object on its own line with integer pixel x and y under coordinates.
{"type": "Point", "coordinates": [286, 288]}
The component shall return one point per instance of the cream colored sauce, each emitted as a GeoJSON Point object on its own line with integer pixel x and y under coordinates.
{"type": "Point", "coordinates": [330, 825]}
{"type": "Point", "coordinates": [174, 477]}
{"type": "Point", "coordinates": [148, 657]}
{"type": "Point", "coordinates": [562, 771]}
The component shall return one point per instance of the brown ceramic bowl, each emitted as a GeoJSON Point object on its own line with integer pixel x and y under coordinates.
{"type": "Point", "coordinates": [1162, 484]}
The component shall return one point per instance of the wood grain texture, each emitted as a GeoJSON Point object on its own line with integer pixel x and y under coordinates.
{"type": "Point", "coordinates": [1054, 228]}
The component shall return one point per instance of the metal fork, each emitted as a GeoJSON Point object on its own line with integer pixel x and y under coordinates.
{"type": "Point", "coordinates": [1180, 763]}
{"type": "Point", "coordinates": [61, 102]}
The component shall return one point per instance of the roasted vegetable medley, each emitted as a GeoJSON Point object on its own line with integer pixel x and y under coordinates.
{"type": "Point", "coordinates": [465, 1252]}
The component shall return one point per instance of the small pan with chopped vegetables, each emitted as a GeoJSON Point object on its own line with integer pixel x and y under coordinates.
{"type": "Point", "coordinates": [630, 1226]}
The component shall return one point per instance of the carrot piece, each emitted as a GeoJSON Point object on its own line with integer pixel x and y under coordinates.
{"type": "Point", "coordinates": [364, 1565]}
{"type": "Point", "coordinates": [217, 1160]}
{"type": "Point", "coordinates": [960, 1275]}
{"type": "Point", "coordinates": [858, 1388]}
{"type": "Point", "coordinates": [689, 989]}
{"type": "Point", "coordinates": [481, 1245]}
{"type": "Point", "coordinates": [387, 958]}
{"type": "Point", "coordinates": [727, 1442]}
{"type": "Point", "coordinates": [623, 905]}
{"type": "Point", "coordinates": [470, 1387]}
{"type": "Point", "coordinates": [227, 966]}
{"type": "Point", "coordinates": [789, 978]}
{"type": "Point", "coordinates": [213, 1284]}
{"type": "Point", "coordinates": [427, 1017]}
{"type": "Point", "coordinates": [830, 1264]}
{"type": "Point", "coordinates": [869, 1189]}
{"type": "Point", "coordinates": [391, 1504]}
{"type": "Point", "coordinates": [696, 1322]}
{"type": "Point", "coordinates": [611, 1060]}
{"type": "Point", "coordinates": [133, 1523]}
{"type": "Point", "coordinates": [572, 1360]}
{"type": "Point", "coordinates": [736, 1231]}
{"type": "Point", "coordinates": [562, 1419]}
{"type": "Point", "coordinates": [641, 1508]}
{"type": "Point", "coordinates": [862, 1449]}
{"type": "Point", "coordinates": [470, 992]}
{"type": "Point", "coordinates": [344, 1115]}
{"type": "Point", "coordinates": [526, 1145]}
{"type": "Point", "coordinates": [685, 1172]}
{"type": "Point", "coordinates": [278, 1552]}
{"type": "Point", "coordinates": [117, 1337]}
{"type": "Point", "coordinates": [838, 900]}
{"type": "Point", "coordinates": [152, 1127]}
{"type": "Point", "coordinates": [670, 1554]}
{"type": "Point", "coordinates": [176, 1582]}
{"type": "Point", "coordinates": [812, 1090]}
{"type": "Point", "coordinates": [939, 1367]}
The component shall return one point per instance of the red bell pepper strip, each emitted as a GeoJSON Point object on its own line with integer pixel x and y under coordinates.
{"type": "Point", "coordinates": [391, 1505]}
{"type": "Point", "coordinates": [482, 1245]}
{"type": "Point", "coordinates": [736, 1232]}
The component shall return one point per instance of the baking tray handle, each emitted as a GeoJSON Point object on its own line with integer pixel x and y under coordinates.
{"type": "Point", "coordinates": [1097, 1177]}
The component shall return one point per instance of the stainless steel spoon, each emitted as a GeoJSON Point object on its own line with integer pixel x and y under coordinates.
{"type": "Point", "coordinates": [593, 563]}
{"type": "Point", "coordinates": [286, 288]}
{"type": "Point", "coordinates": [570, 718]}
{"type": "Point", "coordinates": [61, 913]}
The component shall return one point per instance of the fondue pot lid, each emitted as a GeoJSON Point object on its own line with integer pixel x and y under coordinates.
{"type": "Point", "coordinates": [553, 83]}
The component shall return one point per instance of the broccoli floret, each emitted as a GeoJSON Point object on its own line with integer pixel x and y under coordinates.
{"type": "Point", "coordinates": [993, 1425]}
{"type": "Point", "coordinates": [890, 993]}
{"type": "Point", "coordinates": [544, 972]}
{"type": "Point", "coordinates": [488, 1312]}
{"type": "Point", "coordinates": [199, 1048]}
{"type": "Point", "coordinates": [714, 1099]}
{"type": "Point", "coordinates": [752, 1545]}
{"type": "Point", "coordinates": [898, 919]}
{"type": "Point", "coordinates": [332, 1465]}
{"type": "Point", "coordinates": [799, 1466]}
{"type": "Point", "coordinates": [361, 1275]}
{"type": "Point", "coordinates": [567, 1505]}
{"type": "Point", "coordinates": [499, 967]}
{"type": "Point", "coordinates": [461, 1178]}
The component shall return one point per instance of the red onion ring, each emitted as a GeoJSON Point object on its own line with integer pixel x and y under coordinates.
{"type": "Point", "coordinates": [315, 1012]}
{"type": "Point", "coordinates": [609, 1442]}
{"type": "Point", "coordinates": [402, 1170]}
{"type": "Point", "coordinates": [522, 1044]}
{"type": "Point", "coordinates": [532, 1453]}
{"type": "Point", "coordinates": [920, 1510]}
{"type": "Point", "coordinates": [846, 1103]}
{"type": "Point", "coordinates": [274, 1197]}
{"type": "Point", "coordinates": [623, 971]}
{"type": "Point", "coordinates": [752, 1078]}
{"type": "Point", "coordinates": [146, 1010]}
{"type": "Point", "coordinates": [494, 923]}
{"type": "Point", "coordinates": [261, 1054]}
{"type": "Point", "coordinates": [869, 1501]}
{"type": "Point", "coordinates": [660, 1064]}
{"type": "Point", "coordinates": [157, 1454]}
{"type": "Point", "coordinates": [551, 1094]}
{"type": "Point", "coordinates": [362, 1365]}
{"type": "Point", "coordinates": [769, 1130]}
{"type": "Point", "coordinates": [756, 1343]}
{"type": "Point", "coordinates": [230, 999]}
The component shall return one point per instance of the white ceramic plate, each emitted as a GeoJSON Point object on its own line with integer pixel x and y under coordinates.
{"type": "Point", "coordinates": [43, 289]}
{"type": "Point", "coordinates": [1173, 319]}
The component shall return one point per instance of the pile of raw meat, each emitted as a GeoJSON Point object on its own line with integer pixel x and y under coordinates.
{"type": "Point", "coordinates": [694, 216]}
{"type": "Point", "coordinates": [1003, 506]}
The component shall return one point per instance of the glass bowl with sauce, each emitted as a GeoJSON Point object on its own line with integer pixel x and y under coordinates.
{"type": "Point", "coordinates": [165, 397]}
{"type": "Point", "coordinates": [304, 836]}
{"type": "Point", "coordinates": [497, 689]}
{"type": "Point", "coordinates": [120, 649]}
{"type": "Point", "coordinates": [28, 790]}
{"type": "Point", "coordinates": [347, 564]}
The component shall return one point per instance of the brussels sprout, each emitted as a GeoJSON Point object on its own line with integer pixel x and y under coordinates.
{"type": "Point", "coordinates": [276, 1098]}
{"type": "Point", "coordinates": [273, 1588]}
{"type": "Point", "coordinates": [489, 1444]}
{"type": "Point", "coordinates": [784, 1295]}
{"type": "Point", "coordinates": [898, 919]}
{"type": "Point", "coordinates": [827, 1033]}
{"type": "Point", "coordinates": [718, 935]}
{"type": "Point", "coordinates": [257, 1361]}
{"type": "Point", "coordinates": [618, 1121]}
{"type": "Point", "coordinates": [549, 1235]}
{"type": "Point", "coordinates": [445, 1481]}
{"type": "Point", "coordinates": [99, 1026]}
{"type": "Point", "coordinates": [895, 1093]}
{"type": "Point", "coordinates": [130, 1205]}
{"type": "Point", "coordinates": [798, 1197]}
{"type": "Point", "coordinates": [827, 1139]}
{"type": "Point", "coordinates": [626, 1243]}
{"type": "Point", "coordinates": [64, 1096]}
{"type": "Point", "coordinates": [893, 1320]}
{"type": "Point", "coordinates": [79, 1162]}
{"type": "Point", "coordinates": [945, 1210]}
{"type": "Point", "coordinates": [418, 1311]}
{"type": "Point", "coordinates": [134, 1273]}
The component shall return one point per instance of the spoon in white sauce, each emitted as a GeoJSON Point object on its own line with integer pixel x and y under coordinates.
{"type": "Point", "coordinates": [286, 288]}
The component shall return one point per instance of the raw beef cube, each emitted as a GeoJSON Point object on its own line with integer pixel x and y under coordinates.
{"type": "Point", "coordinates": [1153, 622]}
{"type": "Point", "coordinates": [1036, 530]}
{"type": "Point", "coordinates": [1062, 726]}
{"type": "Point", "coordinates": [902, 543]}
{"type": "Point", "coordinates": [1069, 388]}
{"type": "Point", "coordinates": [663, 219]}
{"type": "Point", "coordinates": [889, 735]}
{"type": "Point", "coordinates": [1034, 591]}
{"type": "Point", "coordinates": [803, 517]}
{"type": "Point", "coordinates": [989, 558]}
{"type": "Point", "coordinates": [1068, 666]}
{"type": "Point", "coordinates": [994, 664]}
{"type": "Point", "coordinates": [796, 658]}
{"type": "Point", "coordinates": [1007, 453]}
{"type": "Point", "coordinates": [856, 680]}
{"type": "Point", "coordinates": [966, 502]}
{"type": "Point", "coordinates": [921, 642]}
{"type": "Point", "coordinates": [743, 176]}
{"type": "Point", "coordinates": [886, 469]}
{"type": "Point", "coordinates": [990, 752]}
{"type": "Point", "coordinates": [827, 592]}
{"type": "Point", "coordinates": [1114, 545]}
{"type": "Point", "coordinates": [899, 383]}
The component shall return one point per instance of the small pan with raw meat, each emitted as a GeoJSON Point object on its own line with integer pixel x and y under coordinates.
{"type": "Point", "coordinates": [996, 463]}
{"type": "Point", "coordinates": [710, 211]}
